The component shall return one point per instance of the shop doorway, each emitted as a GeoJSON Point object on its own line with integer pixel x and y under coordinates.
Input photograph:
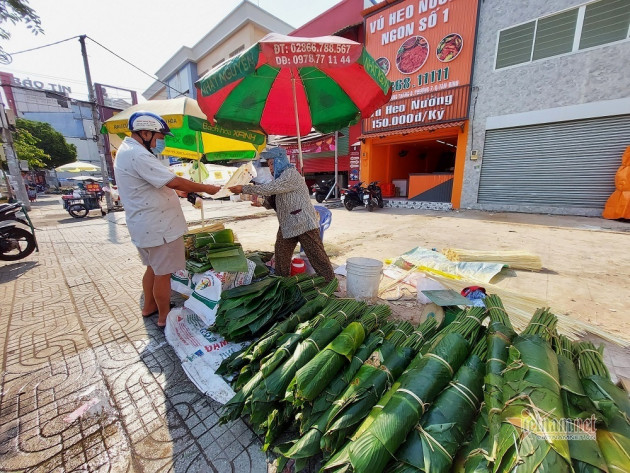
{"type": "Point", "coordinates": [420, 170]}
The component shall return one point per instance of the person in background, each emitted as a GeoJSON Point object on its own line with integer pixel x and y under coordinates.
{"type": "Point", "coordinates": [153, 213]}
{"type": "Point", "coordinates": [31, 193]}
{"type": "Point", "coordinates": [296, 215]}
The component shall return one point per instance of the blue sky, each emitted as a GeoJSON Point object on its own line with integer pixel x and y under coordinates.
{"type": "Point", "coordinates": [144, 32]}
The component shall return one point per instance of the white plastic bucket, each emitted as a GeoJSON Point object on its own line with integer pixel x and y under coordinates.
{"type": "Point", "coordinates": [363, 278]}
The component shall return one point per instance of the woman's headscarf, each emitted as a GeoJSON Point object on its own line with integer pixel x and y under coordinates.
{"type": "Point", "coordinates": [280, 160]}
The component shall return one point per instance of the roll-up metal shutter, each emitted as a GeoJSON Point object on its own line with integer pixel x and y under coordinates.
{"type": "Point", "coordinates": [564, 164]}
{"type": "Point", "coordinates": [326, 164]}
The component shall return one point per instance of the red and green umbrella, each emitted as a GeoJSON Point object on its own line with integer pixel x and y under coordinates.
{"type": "Point", "coordinates": [285, 85]}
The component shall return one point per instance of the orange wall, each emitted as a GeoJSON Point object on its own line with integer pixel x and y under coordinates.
{"type": "Point", "coordinates": [420, 184]}
{"type": "Point", "coordinates": [460, 161]}
{"type": "Point", "coordinates": [380, 160]}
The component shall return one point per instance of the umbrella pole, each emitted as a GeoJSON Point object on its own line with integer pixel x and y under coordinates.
{"type": "Point", "coordinates": [203, 223]}
{"type": "Point", "coordinates": [297, 123]}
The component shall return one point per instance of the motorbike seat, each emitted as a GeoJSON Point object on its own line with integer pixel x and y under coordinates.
{"type": "Point", "coordinates": [9, 208]}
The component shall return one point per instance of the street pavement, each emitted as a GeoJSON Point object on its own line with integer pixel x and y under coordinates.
{"type": "Point", "coordinates": [87, 384]}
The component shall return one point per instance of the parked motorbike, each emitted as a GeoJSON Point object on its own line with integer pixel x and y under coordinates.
{"type": "Point", "coordinates": [16, 242]}
{"type": "Point", "coordinates": [320, 191]}
{"type": "Point", "coordinates": [353, 197]}
{"type": "Point", "coordinates": [373, 196]}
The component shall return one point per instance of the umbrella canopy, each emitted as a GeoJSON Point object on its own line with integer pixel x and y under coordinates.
{"type": "Point", "coordinates": [193, 134]}
{"type": "Point", "coordinates": [85, 178]}
{"type": "Point", "coordinates": [286, 85]}
{"type": "Point", "coordinates": [78, 166]}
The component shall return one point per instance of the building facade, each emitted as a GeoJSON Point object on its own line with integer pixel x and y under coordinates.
{"type": "Point", "coordinates": [417, 141]}
{"type": "Point", "coordinates": [550, 112]}
{"type": "Point", "coordinates": [51, 103]}
{"type": "Point", "coordinates": [239, 30]}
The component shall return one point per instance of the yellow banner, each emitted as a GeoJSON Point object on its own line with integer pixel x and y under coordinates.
{"type": "Point", "coordinates": [181, 153]}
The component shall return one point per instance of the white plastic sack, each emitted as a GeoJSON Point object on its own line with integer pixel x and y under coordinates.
{"type": "Point", "coordinates": [195, 278]}
{"type": "Point", "coordinates": [207, 381]}
{"type": "Point", "coordinates": [180, 282]}
{"type": "Point", "coordinates": [201, 351]}
{"type": "Point", "coordinates": [204, 299]}
{"type": "Point", "coordinates": [231, 280]}
{"type": "Point", "coordinates": [482, 272]}
{"type": "Point", "coordinates": [190, 338]}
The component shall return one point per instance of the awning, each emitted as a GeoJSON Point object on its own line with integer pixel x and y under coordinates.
{"type": "Point", "coordinates": [409, 131]}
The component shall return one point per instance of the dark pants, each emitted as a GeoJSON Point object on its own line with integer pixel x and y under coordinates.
{"type": "Point", "coordinates": [312, 246]}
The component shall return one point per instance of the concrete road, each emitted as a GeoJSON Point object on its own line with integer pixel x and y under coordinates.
{"type": "Point", "coordinates": [87, 384]}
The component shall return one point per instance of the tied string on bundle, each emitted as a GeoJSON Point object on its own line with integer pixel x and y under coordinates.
{"type": "Point", "coordinates": [495, 307]}
{"type": "Point", "coordinates": [314, 343]}
{"type": "Point", "coordinates": [443, 361]}
{"type": "Point", "coordinates": [519, 364]}
{"type": "Point", "coordinates": [499, 360]}
{"type": "Point", "coordinates": [432, 441]}
{"type": "Point", "coordinates": [390, 377]}
{"type": "Point", "coordinates": [539, 415]}
{"type": "Point", "coordinates": [460, 388]}
{"type": "Point", "coordinates": [423, 405]}
{"type": "Point", "coordinates": [419, 333]}
{"type": "Point", "coordinates": [474, 318]}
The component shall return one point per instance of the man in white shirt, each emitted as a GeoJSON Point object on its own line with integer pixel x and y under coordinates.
{"type": "Point", "coordinates": [153, 213]}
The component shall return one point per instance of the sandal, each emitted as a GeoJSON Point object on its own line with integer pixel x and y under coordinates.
{"type": "Point", "coordinates": [151, 314]}
{"type": "Point", "coordinates": [155, 312]}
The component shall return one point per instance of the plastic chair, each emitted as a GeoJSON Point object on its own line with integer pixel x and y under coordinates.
{"type": "Point", "coordinates": [325, 217]}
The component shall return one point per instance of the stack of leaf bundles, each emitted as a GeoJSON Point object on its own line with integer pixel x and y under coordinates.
{"type": "Point", "coordinates": [613, 435]}
{"type": "Point", "coordinates": [217, 251]}
{"type": "Point", "coordinates": [246, 311]}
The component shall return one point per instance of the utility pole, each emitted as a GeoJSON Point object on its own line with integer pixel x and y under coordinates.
{"type": "Point", "coordinates": [97, 125]}
{"type": "Point", "coordinates": [12, 162]}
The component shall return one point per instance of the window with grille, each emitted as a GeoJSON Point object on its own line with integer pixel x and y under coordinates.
{"type": "Point", "coordinates": [587, 26]}
{"type": "Point", "coordinates": [515, 45]}
{"type": "Point", "coordinates": [605, 21]}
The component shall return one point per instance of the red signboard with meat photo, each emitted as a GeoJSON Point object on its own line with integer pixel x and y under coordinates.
{"type": "Point", "coordinates": [412, 54]}
{"type": "Point", "coordinates": [423, 46]}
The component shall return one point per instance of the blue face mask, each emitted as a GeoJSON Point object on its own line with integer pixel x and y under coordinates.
{"type": "Point", "coordinates": [160, 146]}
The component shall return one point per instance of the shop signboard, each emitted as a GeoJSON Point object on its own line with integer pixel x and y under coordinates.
{"type": "Point", "coordinates": [425, 48]}
{"type": "Point", "coordinates": [354, 159]}
{"type": "Point", "coordinates": [321, 145]}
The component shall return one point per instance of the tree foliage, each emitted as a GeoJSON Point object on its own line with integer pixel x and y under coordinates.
{"type": "Point", "coordinates": [50, 141]}
{"type": "Point", "coordinates": [26, 148]}
{"type": "Point", "coordinates": [16, 11]}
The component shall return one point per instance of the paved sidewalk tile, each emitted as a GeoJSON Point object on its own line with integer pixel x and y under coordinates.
{"type": "Point", "coordinates": [87, 384]}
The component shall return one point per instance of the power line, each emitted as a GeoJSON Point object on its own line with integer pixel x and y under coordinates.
{"type": "Point", "coordinates": [134, 66]}
{"type": "Point", "coordinates": [106, 49]}
{"type": "Point", "coordinates": [41, 47]}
